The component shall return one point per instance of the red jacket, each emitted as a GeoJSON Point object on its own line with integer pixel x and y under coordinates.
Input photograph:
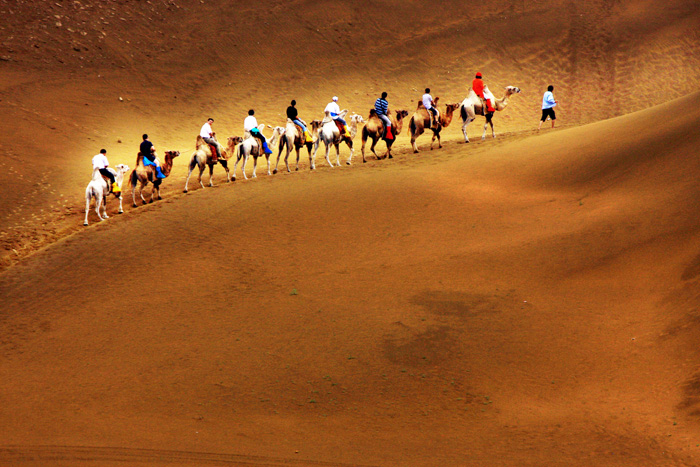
{"type": "Point", "coordinates": [478, 87]}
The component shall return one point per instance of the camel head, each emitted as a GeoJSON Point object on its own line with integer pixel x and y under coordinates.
{"type": "Point", "coordinates": [170, 155]}
{"type": "Point", "coordinates": [122, 168]}
{"type": "Point", "coordinates": [233, 141]}
{"type": "Point", "coordinates": [451, 108]}
{"type": "Point", "coordinates": [510, 90]}
{"type": "Point", "coordinates": [401, 114]}
{"type": "Point", "coordinates": [357, 118]}
{"type": "Point", "coordinates": [315, 125]}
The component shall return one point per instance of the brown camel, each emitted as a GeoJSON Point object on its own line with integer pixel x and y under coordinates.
{"type": "Point", "coordinates": [374, 128]}
{"type": "Point", "coordinates": [420, 121]}
{"type": "Point", "coordinates": [147, 174]}
{"type": "Point", "coordinates": [203, 156]}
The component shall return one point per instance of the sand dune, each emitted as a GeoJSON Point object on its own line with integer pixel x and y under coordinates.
{"type": "Point", "coordinates": [528, 300]}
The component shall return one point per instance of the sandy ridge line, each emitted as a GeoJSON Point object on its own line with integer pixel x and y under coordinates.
{"type": "Point", "coordinates": [70, 224]}
{"type": "Point", "coordinates": [89, 454]}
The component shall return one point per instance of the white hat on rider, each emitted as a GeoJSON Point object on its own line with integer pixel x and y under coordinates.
{"type": "Point", "coordinates": [335, 98]}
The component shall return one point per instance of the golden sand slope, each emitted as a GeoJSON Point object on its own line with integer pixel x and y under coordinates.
{"type": "Point", "coordinates": [524, 301]}
{"type": "Point", "coordinates": [65, 65]}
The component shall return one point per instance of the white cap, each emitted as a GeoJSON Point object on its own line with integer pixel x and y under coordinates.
{"type": "Point", "coordinates": [335, 98]}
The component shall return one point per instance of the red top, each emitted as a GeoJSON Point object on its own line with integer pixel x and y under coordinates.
{"type": "Point", "coordinates": [478, 87]}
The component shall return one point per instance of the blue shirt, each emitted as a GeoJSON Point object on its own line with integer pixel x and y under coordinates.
{"type": "Point", "coordinates": [548, 100]}
{"type": "Point", "coordinates": [381, 106]}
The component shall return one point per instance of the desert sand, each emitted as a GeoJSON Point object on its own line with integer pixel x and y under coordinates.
{"type": "Point", "coordinates": [528, 300]}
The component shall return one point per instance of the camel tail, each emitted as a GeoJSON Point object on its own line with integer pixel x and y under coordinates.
{"type": "Point", "coordinates": [133, 178]}
{"type": "Point", "coordinates": [412, 126]}
{"type": "Point", "coordinates": [463, 113]}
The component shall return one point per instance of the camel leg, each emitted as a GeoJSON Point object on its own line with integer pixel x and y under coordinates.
{"type": "Point", "coordinates": [98, 205]}
{"type": "Point", "coordinates": [464, 128]}
{"type": "Point", "coordinates": [104, 207]}
{"type": "Point", "coordinates": [121, 209]}
{"type": "Point", "coordinates": [235, 166]}
{"type": "Point", "coordinates": [328, 150]}
{"type": "Point", "coordinates": [298, 150]}
{"type": "Point", "coordinates": [88, 197]}
{"type": "Point", "coordinates": [224, 164]}
{"type": "Point", "coordinates": [211, 175]}
{"type": "Point", "coordinates": [362, 148]}
{"type": "Point", "coordinates": [268, 164]}
{"type": "Point", "coordinates": [133, 194]}
{"type": "Point", "coordinates": [255, 166]}
{"type": "Point", "coordinates": [493, 133]}
{"type": "Point", "coordinates": [279, 154]}
{"type": "Point", "coordinates": [371, 148]}
{"type": "Point", "coordinates": [352, 151]}
{"type": "Point", "coordinates": [414, 145]}
{"type": "Point", "coordinates": [245, 161]}
{"type": "Point", "coordinates": [191, 168]}
{"type": "Point", "coordinates": [337, 153]}
{"type": "Point", "coordinates": [201, 171]}
{"type": "Point", "coordinates": [313, 158]}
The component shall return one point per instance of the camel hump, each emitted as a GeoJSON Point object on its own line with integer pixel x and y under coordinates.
{"type": "Point", "coordinates": [139, 159]}
{"type": "Point", "coordinates": [372, 113]}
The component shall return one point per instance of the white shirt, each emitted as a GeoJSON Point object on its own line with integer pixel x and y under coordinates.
{"type": "Point", "coordinates": [332, 108]}
{"type": "Point", "coordinates": [206, 131]}
{"type": "Point", "coordinates": [100, 162]}
{"type": "Point", "coordinates": [427, 100]}
{"type": "Point", "coordinates": [250, 122]}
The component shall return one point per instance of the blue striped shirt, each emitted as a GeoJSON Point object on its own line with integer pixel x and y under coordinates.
{"type": "Point", "coordinates": [381, 106]}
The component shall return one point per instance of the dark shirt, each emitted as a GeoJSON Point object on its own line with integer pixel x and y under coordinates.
{"type": "Point", "coordinates": [381, 106]}
{"type": "Point", "coordinates": [292, 112]}
{"type": "Point", "coordinates": [145, 149]}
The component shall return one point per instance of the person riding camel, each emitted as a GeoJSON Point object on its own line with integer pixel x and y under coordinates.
{"type": "Point", "coordinates": [209, 137]}
{"type": "Point", "coordinates": [101, 163]}
{"type": "Point", "coordinates": [149, 155]}
{"type": "Point", "coordinates": [250, 124]}
{"type": "Point", "coordinates": [478, 87]}
{"type": "Point", "coordinates": [381, 106]}
{"type": "Point", "coordinates": [428, 104]}
{"type": "Point", "coordinates": [293, 115]}
{"type": "Point", "coordinates": [334, 110]}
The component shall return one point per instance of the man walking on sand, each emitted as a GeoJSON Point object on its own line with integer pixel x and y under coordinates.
{"type": "Point", "coordinates": [548, 103]}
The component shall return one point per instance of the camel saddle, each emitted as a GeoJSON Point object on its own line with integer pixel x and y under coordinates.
{"type": "Point", "coordinates": [212, 148]}
{"type": "Point", "coordinates": [108, 181]}
{"type": "Point", "coordinates": [340, 127]}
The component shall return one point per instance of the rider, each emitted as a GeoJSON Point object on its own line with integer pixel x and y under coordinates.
{"type": "Point", "coordinates": [293, 115]}
{"type": "Point", "coordinates": [333, 109]}
{"type": "Point", "coordinates": [207, 135]}
{"type": "Point", "coordinates": [149, 154]}
{"type": "Point", "coordinates": [428, 104]}
{"type": "Point", "coordinates": [381, 106]}
{"type": "Point", "coordinates": [101, 163]}
{"type": "Point", "coordinates": [250, 124]}
{"type": "Point", "coordinates": [478, 87]}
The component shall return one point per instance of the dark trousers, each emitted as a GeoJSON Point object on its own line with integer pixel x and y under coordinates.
{"type": "Point", "coordinates": [212, 141]}
{"type": "Point", "coordinates": [108, 174]}
{"type": "Point", "coordinates": [255, 132]}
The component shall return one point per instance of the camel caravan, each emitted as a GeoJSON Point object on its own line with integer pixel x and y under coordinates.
{"type": "Point", "coordinates": [381, 124]}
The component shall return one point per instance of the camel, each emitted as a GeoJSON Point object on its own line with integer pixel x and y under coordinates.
{"type": "Point", "coordinates": [293, 138]}
{"type": "Point", "coordinates": [99, 188]}
{"type": "Point", "coordinates": [201, 157]}
{"type": "Point", "coordinates": [374, 128]}
{"type": "Point", "coordinates": [144, 175]}
{"type": "Point", "coordinates": [472, 106]}
{"type": "Point", "coordinates": [421, 121]}
{"type": "Point", "coordinates": [251, 147]}
{"type": "Point", "coordinates": [327, 131]}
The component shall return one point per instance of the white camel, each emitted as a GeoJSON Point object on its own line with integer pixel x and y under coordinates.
{"type": "Point", "coordinates": [328, 132]}
{"type": "Point", "coordinates": [98, 188]}
{"type": "Point", "coordinates": [472, 106]}
{"type": "Point", "coordinates": [251, 147]}
{"type": "Point", "coordinates": [293, 138]}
